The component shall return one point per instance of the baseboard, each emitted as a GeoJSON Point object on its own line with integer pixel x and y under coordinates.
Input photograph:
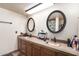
{"type": "Point", "coordinates": [10, 53]}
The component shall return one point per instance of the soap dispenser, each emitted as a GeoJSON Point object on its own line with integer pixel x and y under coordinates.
{"type": "Point", "coordinates": [54, 39]}
{"type": "Point", "coordinates": [68, 42]}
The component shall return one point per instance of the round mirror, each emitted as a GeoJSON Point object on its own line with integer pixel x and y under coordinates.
{"type": "Point", "coordinates": [30, 24]}
{"type": "Point", "coordinates": [56, 21]}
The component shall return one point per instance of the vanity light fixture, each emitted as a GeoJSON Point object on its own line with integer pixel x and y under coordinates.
{"type": "Point", "coordinates": [38, 7]}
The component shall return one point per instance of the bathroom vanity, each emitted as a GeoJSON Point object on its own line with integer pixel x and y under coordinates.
{"type": "Point", "coordinates": [32, 46]}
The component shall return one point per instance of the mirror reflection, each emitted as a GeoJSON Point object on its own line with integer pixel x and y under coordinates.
{"type": "Point", "coordinates": [30, 24]}
{"type": "Point", "coordinates": [56, 21]}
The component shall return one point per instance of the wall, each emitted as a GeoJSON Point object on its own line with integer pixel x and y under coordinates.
{"type": "Point", "coordinates": [71, 12]}
{"type": "Point", "coordinates": [8, 37]}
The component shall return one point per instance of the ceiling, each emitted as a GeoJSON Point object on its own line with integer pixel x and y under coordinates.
{"type": "Point", "coordinates": [17, 7]}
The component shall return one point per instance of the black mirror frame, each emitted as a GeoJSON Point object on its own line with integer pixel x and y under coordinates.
{"type": "Point", "coordinates": [63, 24]}
{"type": "Point", "coordinates": [33, 25]}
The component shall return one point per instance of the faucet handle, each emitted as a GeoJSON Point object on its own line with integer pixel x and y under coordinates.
{"type": "Point", "coordinates": [54, 39]}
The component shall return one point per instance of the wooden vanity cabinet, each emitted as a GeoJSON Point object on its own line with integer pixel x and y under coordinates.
{"type": "Point", "coordinates": [33, 49]}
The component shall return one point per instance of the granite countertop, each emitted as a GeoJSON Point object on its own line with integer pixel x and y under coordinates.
{"type": "Point", "coordinates": [61, 47]}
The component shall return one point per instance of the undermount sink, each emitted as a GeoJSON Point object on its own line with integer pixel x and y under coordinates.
{"type": "Point", "coordinates": [54, 44]}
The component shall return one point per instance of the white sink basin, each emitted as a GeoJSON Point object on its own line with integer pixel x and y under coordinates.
{"type": "Point", "coordinates": [54, 44]}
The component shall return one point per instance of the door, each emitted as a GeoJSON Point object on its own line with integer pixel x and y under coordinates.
{"type": "Point", "coordinates": [8, 41]}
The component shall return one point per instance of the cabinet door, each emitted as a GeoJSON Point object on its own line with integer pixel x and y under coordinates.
{"type": "Point", "coordinates": [35, 50]}
{"type": "Point", "coordinates": [28, 49]}
{"type": "Point", "coordinates": [23, 46]}
{"type": "Point", "coordinates": [47, 52]}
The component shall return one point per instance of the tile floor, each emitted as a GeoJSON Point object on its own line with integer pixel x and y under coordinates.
{"type": "Point", "coordinates": [17, 53]}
